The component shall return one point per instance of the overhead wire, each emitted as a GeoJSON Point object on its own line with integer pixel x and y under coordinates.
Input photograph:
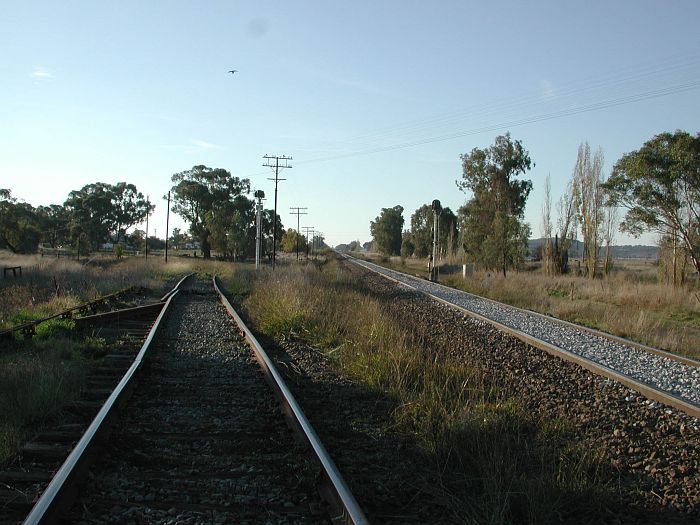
{"type": "Point", "coordinates": [535, 98]}
{"type": "Point", "coordinates": [528, 101]}
{"type": "Point", "coordinates": [689, 86]}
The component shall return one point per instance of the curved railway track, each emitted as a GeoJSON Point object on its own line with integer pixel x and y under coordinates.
{"type": "Point", "coordinates": [190, 434]}
{"type": "Point", "coordinates": [660, 376]}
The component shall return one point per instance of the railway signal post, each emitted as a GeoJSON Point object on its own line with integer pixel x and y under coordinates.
{"type": "Point", "coordinates": [260, 195]}
{"type": "Point", "coordinates": [437, 208]}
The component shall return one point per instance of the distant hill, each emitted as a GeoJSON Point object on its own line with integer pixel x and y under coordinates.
{"type": "Point", "coordinates": [637, 251]}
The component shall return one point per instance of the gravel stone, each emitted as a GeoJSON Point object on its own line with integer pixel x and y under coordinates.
{"type": "Point", "coordinates": [665, 374]}
{"type": "Point", "coordinates": [202, 439]}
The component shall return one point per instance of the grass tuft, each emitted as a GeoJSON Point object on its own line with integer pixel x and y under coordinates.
{"type": "Point", "coordinates": [35, 382]}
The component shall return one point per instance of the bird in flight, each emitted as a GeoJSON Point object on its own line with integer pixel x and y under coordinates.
{"type": "Point", "coordinates": [233, 71]}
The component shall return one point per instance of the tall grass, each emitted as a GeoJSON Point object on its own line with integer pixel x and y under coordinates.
{"type": "Point", "coordinates": [497, 463]}
{"type": "Point", "coordinates": [51, 285]}
{"type": "Point", "coordinates": [37, 378]}
{"type": "Point", "coordinates": [41, 374]}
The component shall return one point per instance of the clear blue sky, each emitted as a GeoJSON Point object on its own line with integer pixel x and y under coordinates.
{"type": "Point", "coordinates": [136, 91]}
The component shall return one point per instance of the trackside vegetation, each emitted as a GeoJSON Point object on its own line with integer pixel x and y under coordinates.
{"type": "Point", "coordinates": [42, 374]}
{"type": "Point", "coordinates": [497, 463]}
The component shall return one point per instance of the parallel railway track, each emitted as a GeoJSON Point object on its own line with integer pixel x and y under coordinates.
{"type": "Point", "coordinates": [27, 476]}
{"type": "Point", "coordinates": [658, 375]}
{"type": "Point", "coordinates": [190, 433]}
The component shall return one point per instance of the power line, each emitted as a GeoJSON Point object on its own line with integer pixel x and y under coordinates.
{"type": "Point", "coordinates": [689, 86]}
{"type": "Point", "coordinates": [308, 229]}
{"type": "Point", "coordinates": [618, 77]}
{"type": "Point", "coordinates": [530, 100]}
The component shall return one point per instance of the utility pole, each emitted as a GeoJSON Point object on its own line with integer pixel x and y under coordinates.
{"type": "Point", "coordinates": [277, 166]}
{"type": "Point", "coordinates": [260, 195]}
{"type": "Point", "coordinates": [298, 213]}
{"type": "Point", "coordinates": [311, 229]}
{"type": "Point", "coordinates": [148, 210]}
{"type": "Point", "coordinates": [317, 238]}
{"type": "Point", "coordinates": [167, 228]}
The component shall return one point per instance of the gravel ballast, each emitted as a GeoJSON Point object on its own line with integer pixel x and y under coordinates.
{"type": "Point", "coordinates": [202, 440]}
{"type": "Point", "coordinates": [653, 451]}
{"type": "Point", "coordinates": [664, 374]}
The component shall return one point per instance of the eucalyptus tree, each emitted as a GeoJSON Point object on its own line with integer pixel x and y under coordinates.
{"type": "Point", "coordinates": [19, 228]}
{"type": "Point", "coordinates": [199, 192]}
{"type": "Point", "coordinates": [659, 186]}
{"type": "Point", "coordinates": [421, 232]}
{"type": "Point", "coordinates": [386, 230]}
{"type": "Point", "coordinates": [88, 209]}
{"type": "Point", "coordinates": [232, 226]}
{"type": "Point", "coordinates": [53, 221]}
{"type": "Point", "coordinates": [494, 234]}
{"type": "Point", "coordinates": [128, 207]}
{"type": "Point", "coordinates": [102, 211]}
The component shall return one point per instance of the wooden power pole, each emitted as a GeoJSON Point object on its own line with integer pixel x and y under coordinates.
{"type": "Point", "coordinates": [297, 211]}
{"type": "Point", "coordinates": [278, 167]}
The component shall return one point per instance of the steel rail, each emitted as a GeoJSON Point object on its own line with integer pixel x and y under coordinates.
{"type": "Point", "coordinates": [136, 312]}
{"type": "Point", "coordinates": [176, 287]}
{"type": "Point", "coordinates": [340, 497]}
{"type": "Point", "coordinates": [60, 492]}
{"type": "Point", "coordinates": [616, 338]}
{"type": "Point", "coordinates": [597, 368]}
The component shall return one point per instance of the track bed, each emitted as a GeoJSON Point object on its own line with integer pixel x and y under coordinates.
{"type": "Point", "coordinates": [202, 439]}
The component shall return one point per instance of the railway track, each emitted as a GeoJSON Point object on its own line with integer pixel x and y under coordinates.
{"type": "Point", "coordinates": [190, 434]}
{"type": "Point", "coordinates": [658, 375]}
{"type": "Point", "coordinates": [649, 452]}
{"type": "Point", "coordinates": [26, 477]}
{"type": "Point", "coordinates": [106, 302]}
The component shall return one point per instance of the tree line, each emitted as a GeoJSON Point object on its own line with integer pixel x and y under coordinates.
{"type": "Point", "coordinates": [95, 214]}
{"type": "Point", "coordinates": [216, 205]}
{"type": "Point", "coordinates": [657, 186]}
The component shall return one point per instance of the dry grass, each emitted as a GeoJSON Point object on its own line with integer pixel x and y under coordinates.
{"type": "Point", "coordinates": [40, 375]}
{"type": "Point", "coordinates": [628, 303]}
{"type": "Point", "coordinates": [36, 380]}
{"type": "Point", "coordinates": [49, 285]}
{"type": "Point", "coordinates": [497, 464]}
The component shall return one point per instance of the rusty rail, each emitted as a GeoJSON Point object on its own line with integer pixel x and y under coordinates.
{"type": "Point", "coordinates": [338, 494]}
{"type": "Point", "coordinates": [30, 326]}
{"type": "Point", "coordinates": [61, 491]}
